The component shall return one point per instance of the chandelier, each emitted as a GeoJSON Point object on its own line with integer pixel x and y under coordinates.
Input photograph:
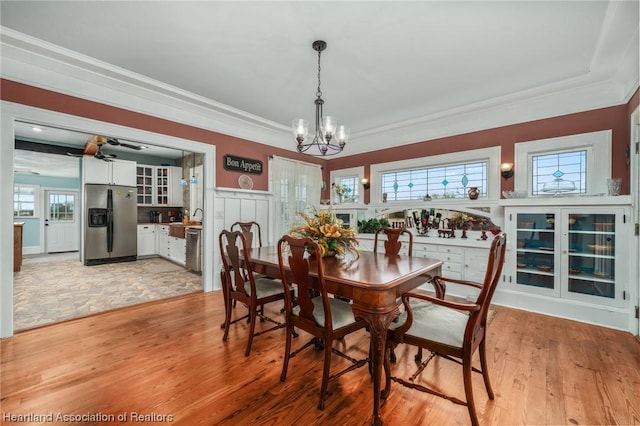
{"type": "Point", "coordinates": [329, 138]}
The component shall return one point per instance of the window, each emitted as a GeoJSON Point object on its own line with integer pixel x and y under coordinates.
{"type": "Point", "coordinates": [24, 200]}
{"type": "Point", "coordinates": [351, 179]}
{"type": "Point", "coordinates": [562, 172]}
{"type": "Point", "coordinates": [576, 164]}
{"type": "Point", "coordinates": [441, 177]}
{"type": "Point", "coordinates": [61, 207]}
{"type": "Point", "coordinates": [450, 181]}
{"type": "Point", "coordinates": [296, 187]}
{"type": "Point", "coordinates": [352, 183]}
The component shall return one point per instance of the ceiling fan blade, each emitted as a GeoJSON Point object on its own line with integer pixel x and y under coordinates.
{"type": "Point", "coordinates": [101, 155]}
{"type": "Point", "coordinates": [114, 141]}
{"type": "Point", "coordinates": [126, 145]}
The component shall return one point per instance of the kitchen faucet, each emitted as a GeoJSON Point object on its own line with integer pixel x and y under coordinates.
{"type": "Point", "coordinates": [196, 211]}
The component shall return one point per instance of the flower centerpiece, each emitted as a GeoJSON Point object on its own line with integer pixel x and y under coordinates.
{"type": "Point", "coordinates": [326, 229]}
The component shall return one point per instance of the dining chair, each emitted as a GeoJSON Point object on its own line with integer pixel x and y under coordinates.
{"type": "Point", "coordinates": [249, 229]}
{"type": "Point", "coordinates": [240, 284]}
{"type": "Point", "coordinates": [325, 318]}
{"type": "Point", "coordinates": [392, 244]}
{"type": "Point", "coordinates": [449, 329]}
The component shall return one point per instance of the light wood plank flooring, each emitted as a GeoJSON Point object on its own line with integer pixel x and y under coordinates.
{"type": "Point", "coordinates": [167, 358]}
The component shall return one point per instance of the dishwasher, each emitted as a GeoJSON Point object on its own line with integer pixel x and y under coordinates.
{"type": "Point", "coordinates": [194, 249]}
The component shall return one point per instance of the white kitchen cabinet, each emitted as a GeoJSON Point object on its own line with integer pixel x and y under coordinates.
{"type": "Point", "coordinates": [114, 172]}
{"type": "Point", "coordinates": [162, 240]}
{"type": "Point", "coordinates": [159, 185]}
{"type": "Point", "coordinates": [178, 250]}
{"type": "Point", "coordinates": [144, 184]}
{"type": "Point", "coordinates": [146, 240]}
{"type": "Point", "coordinates": [171, 248]}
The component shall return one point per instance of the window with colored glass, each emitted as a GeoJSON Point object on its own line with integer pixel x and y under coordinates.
{"type": "Point", "coordinates": [447, 181]}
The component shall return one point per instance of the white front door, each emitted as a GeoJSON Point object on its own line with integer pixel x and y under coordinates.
{"type": "Point", "coordinates": [61, 221]}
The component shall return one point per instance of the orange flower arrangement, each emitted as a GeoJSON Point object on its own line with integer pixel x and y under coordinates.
{"type": "Point", "coordinates": [326, 229]}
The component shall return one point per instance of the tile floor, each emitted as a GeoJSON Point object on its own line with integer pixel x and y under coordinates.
{"type": "Point", "coordinates": [50, 289]}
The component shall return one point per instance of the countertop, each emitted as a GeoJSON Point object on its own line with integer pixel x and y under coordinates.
{"type": "Point", "coordinates": [191, 225]}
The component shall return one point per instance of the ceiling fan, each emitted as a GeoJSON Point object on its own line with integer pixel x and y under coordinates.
{"type": "Point", "coordinates": [93, 146]}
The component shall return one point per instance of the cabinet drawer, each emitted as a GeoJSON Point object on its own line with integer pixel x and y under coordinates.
{"type": "Point", "coordinates": [439, 248]}
{"type": "Point", "coordinates": [445, 257]}
{"type": "Point", "coordinates": [447, 249]}
{"type": "Point", "coordinates": [452, 267]}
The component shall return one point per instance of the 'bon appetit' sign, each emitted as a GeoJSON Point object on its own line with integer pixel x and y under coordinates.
{"type": "Point", "coordinates": [245, 165]}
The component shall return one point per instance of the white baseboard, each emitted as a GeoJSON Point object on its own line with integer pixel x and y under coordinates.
{"type": "Point", "coordinates": [31, 250]}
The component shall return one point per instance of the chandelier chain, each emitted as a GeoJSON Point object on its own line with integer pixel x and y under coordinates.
{"type": "Point", "coordinates": [319, 92]}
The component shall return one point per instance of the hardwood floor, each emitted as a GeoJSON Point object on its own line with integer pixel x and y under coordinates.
{"type": "Point", "coordinates": [167, 358]}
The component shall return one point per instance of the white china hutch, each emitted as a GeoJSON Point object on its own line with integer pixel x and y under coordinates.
{"type": "Point", "coordinates": [566, 256]}
{"type": "Point", "coordinates": [570, 258]}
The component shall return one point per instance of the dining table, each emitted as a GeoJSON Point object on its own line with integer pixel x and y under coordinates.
{"type": "Point", "coordinates": [373, 282]}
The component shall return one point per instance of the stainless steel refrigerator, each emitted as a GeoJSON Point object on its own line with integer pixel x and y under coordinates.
{"type": "Point", "coordinates": [110, 231]}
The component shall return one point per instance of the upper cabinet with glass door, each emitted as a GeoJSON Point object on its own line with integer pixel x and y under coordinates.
{"type": "Point", "coordinates": [159, 185]}
{"type": "Point", "coordinates": [144, 180]}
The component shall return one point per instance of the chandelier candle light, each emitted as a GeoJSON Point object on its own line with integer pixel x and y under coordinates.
{"type": "Point", "coordinates": [329, 138]}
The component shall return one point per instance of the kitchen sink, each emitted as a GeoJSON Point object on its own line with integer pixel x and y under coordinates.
{"type": "Point", "coordinates": [177, 230]}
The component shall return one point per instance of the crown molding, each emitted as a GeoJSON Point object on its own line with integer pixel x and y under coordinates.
{"type": "Point", "coordinates": [40, 64]}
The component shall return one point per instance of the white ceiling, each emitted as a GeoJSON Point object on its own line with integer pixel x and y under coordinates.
{"type": "Point", "coordinates": [387, 62]}
{"type": "Point", "coordinates": [46, 164]}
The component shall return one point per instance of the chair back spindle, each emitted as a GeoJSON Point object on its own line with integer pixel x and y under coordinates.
{"type": "Point", "coordinates": [392, 244]}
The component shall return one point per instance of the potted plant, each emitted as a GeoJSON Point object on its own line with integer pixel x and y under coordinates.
{"type": "Point", "coordinates": [372, 225]}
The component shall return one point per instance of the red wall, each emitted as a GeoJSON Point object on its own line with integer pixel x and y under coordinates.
{"type": "Point", "coordinates": [615, 118]}
{"type": "Point", "coordinates": [28, 95]}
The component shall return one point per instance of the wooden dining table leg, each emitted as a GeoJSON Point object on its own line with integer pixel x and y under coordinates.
{"type": "Point", "coordinates": [378, 323]}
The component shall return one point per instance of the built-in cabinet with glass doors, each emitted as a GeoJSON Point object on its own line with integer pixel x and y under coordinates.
{"type": "Point", "coordinates": [159, 185]}
{"type": "Point", "coordinates": [572, 253]}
